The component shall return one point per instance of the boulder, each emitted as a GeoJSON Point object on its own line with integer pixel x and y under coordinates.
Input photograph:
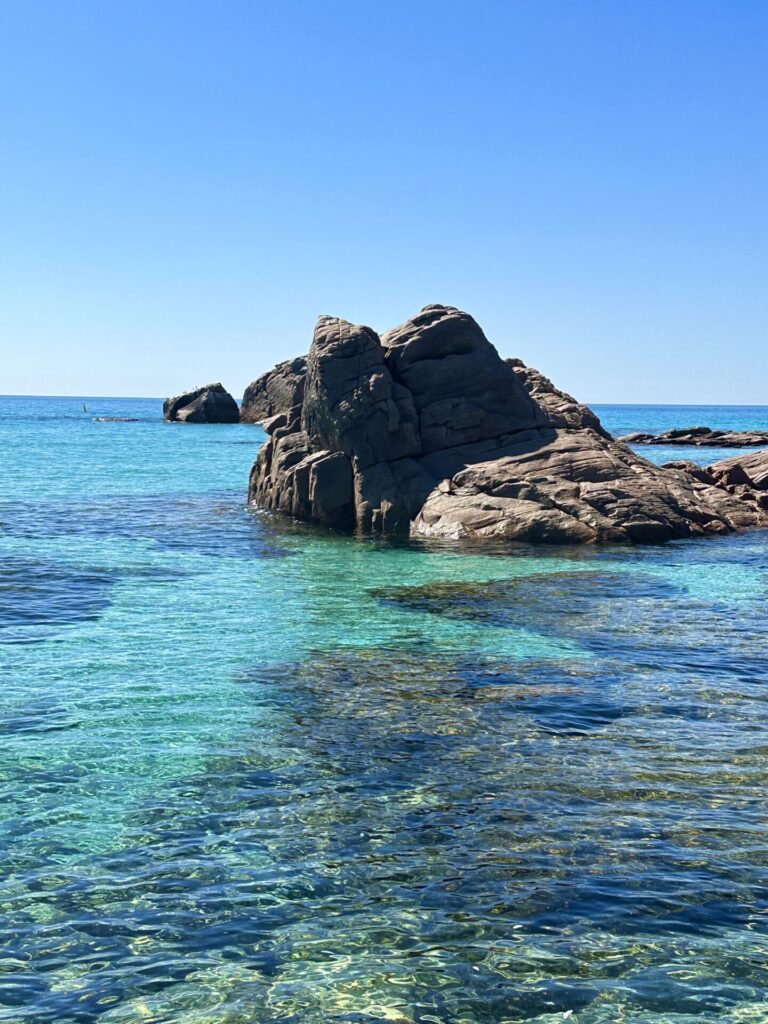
{"type": "Point", "coordinates": [750, 470]}
{"type": "Point", "coordinates": [427, 430]}
{"type": "Point", "coordinates": [574, 486]}
{"type": "Point", "coordinates": [209, 404]}
{"type": "Point", "coordinates": [275, 392]}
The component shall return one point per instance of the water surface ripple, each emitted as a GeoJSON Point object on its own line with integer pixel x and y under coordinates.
{"type": "Point", "coordinates": [256, 772]}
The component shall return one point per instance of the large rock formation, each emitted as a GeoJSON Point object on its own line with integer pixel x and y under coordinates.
{"type": "Point", "coordinates": [277, 391]}
{"type": "Point", "coordinates": [209, 404]}
{"type": "Point", "coordinates": [702, 437]}
{"type": "Point", "coordinates": [427, 430]}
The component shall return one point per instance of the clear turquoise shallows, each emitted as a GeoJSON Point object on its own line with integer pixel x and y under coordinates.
{"type": "Point", "coordinates": [254, 772]}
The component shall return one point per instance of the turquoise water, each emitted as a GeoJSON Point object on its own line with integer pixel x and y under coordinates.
{"type": "Point", "coordinates": [624, 419]}
{"type": "Point", "coordinates": [253, 772]}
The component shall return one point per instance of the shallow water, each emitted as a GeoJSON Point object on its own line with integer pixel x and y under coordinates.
{"type": "Point", "coordinates": [252, 771]}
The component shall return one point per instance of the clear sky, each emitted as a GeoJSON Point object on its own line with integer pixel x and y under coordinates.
{"type": "Point", "coordinates": [185, 186]}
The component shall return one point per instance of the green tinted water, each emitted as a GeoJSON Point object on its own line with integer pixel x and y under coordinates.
{"type": "Point", "coordinates": [255, 772]}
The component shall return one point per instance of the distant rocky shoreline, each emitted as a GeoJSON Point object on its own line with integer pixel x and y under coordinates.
{"type": "Point", "coordinates": [704, 437]}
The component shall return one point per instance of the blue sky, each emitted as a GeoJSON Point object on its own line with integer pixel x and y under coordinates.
{"type": "Point", "coordinates": [185, 186]}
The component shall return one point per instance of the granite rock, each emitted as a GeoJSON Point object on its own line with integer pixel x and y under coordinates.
{"type": "Point", "coordinates": [277, 391]}
{"type": "Point", "coordinates": [561, 408]}
{"type": "Point", "coordinates": [209, 404]}
{"type": "Point", "coordinates": [704, 437]}
{"type": "Point", "coordinates": [462, 390]}
{"type": "Point", "coordinates": [752, 466]}
{"type": "Point", "coordinates": [427, 430]}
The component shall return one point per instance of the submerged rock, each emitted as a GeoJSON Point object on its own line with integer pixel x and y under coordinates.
{"type": "Point", "coordinates": [563, 603]}
{"type": "Point", "coordinates": [427, 430]}
{"type": "Point", "coordinates": [704, 437]}
{"type": "Point", "coordinates": [209, 404]}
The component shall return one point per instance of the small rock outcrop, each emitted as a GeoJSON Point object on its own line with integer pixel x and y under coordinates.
{"type": "Point", "coordinates": [427, 430]}
{"type": "Point", "coordinates": [704, 437]}
{"type": "Point", "coordinates": [744, 477]}
{"type": "Point", "coordinates": [751, 469]}
{"type": "Point", "coordinates": [209, 404]}
{"type": "Point", "coordinates": [275, 392]}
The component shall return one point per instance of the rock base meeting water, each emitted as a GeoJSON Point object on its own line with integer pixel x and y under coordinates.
{"type": "Point", "coordinates": [427, 431]}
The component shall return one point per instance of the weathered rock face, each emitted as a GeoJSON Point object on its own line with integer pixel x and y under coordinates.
{"type": "Point", "coordinates": [561, 408]}
{"type": "Point", "coordinates": [351, 403]}
{"type": "Point", "coordinates": [752, 470]}
{"type": "Point", "coordinates": [703, 437]}
{"type": "Point", "coordinates": [427, 430]}
{"type": "Point", "coordinates": [209, 404]}
{"type": "Point", "coordinates": [744, 477]}
{"type": "Point", "coordinates": [275, 392]}
{"type": "Point", "coordinates": [576, 487]}
{"type": "Point", "coordinates": [461, 388]}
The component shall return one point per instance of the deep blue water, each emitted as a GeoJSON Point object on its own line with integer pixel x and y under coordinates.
{"type": "Point", "coordinates": [624, 419]}
{"type": "Point", "coordinates": [255, 772]}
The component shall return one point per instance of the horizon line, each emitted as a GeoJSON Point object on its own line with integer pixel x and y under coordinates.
{"type": "Point", "coordinates": [674, 405]}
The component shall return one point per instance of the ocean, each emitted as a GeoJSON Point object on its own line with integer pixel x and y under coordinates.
{"type": "Point", "coordinates": [255, 772]}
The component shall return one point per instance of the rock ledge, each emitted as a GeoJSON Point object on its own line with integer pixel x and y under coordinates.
{"type": "Point", "coordinates": [704, 437]}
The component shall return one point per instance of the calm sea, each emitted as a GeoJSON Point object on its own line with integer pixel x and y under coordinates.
{"type": "Point", "coordinates": [252, 772]}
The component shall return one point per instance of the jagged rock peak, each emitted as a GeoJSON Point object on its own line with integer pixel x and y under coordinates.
{"type": "Point", "coordinates": [562, 408]}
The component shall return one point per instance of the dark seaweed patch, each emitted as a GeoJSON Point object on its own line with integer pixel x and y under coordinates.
{"type": "Point", "coordinates": [38, 716]}
{"type": "Point", "coordinates": [527, 599]}
{"type": "Point", "coordinates": [393, 697]}
{"type": "Point", "coordinates": [635, 618]}
{"type": "Point", "coordinates": [201, 525]}
{"type": "Point", "coordinates": [36, 596]}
